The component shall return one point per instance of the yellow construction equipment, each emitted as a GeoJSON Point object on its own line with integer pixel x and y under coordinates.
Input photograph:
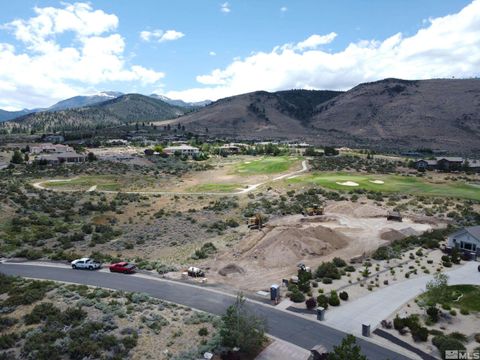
{"type": "Point", "coordinates": [312, 211]}
{"type": "Point", "coordinates": [255, 222]}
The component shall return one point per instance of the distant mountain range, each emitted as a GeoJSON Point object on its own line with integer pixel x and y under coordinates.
{"type": "Point", "coordinates": [90, 100]}
{"type": "Point", "coordinates": [388, 114]}
{"type": "Point", "coordinates": [119, 110]}
{"type": "Point", "coordinates": [9, 115]}
{"type": "Point", "coordinates": [181, 103]}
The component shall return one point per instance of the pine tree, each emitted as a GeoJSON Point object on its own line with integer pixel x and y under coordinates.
{"type": "Point", "coordinates": [241, 328]}
{"type": "Point", "coordinates": [347, 350]}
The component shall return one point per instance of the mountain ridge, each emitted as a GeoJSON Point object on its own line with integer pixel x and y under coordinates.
{"type": "Point", "coordinates": [390, 113]}
{"type": "Point", "coordinates": [127, 108]}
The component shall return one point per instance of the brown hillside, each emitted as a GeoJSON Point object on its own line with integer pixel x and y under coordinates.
{"type": "Point", "coordinates": [388, 114]}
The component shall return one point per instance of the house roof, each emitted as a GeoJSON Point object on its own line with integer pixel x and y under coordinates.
{"type": "Point", "coordinates": [472, 230]}
{"type": "Point", "coordinates": [429, 162]}
{"type": "Point", "coordinates": [450, 158]}
{"type": "Point", "coordinates": [181, 147]}
{"type": "Point", "coordinates": [65, 155]}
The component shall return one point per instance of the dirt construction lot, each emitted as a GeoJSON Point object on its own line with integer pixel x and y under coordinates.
{"type": "Point", "coordinates": [346, 230]}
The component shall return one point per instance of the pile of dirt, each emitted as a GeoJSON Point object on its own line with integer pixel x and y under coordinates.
{"type": "Point", "coordinates": [392, 235]}
{"type": "Point", "coordinates": [356, 209]}
{"type": "Point", "coordinates": [231, 269]}
{"type": "Point", "coordinates": [284, 246]}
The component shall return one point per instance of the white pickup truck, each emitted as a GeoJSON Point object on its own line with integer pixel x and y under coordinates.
{"type": "Point", "coordinates": [86, 263]}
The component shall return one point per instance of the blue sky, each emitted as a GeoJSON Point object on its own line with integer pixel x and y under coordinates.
{"type": "Point", "coordinates": [219, 49]}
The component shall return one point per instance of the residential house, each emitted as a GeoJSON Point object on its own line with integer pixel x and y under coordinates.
{"type": "Point", "coordinates": [53, 138]}
{"type": "Point", "coordinates": [49, 148]}
{"type": "Point", "coordinates": [426, 164]}
{"type": "Point", "coordinates": [60, 158]}
{"type": "Point", "coordinates": [182, 149]}
{"type": "Point", "coordinates": [449, 163]}
{"type": "Point", "coordinates": [230, 149]}
{"type": "Point", "coordinates": [467, 240]}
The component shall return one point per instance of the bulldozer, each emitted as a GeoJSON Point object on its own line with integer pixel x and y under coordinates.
{"type": "Point", "coordinates": [312, 211]}
{"type": "Point", "coordinates": [255, 222]}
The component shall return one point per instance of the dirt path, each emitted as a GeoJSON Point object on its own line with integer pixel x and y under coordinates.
{"type": "Point", "coordinates": [39, 185]}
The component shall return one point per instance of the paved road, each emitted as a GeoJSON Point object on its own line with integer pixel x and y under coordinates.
{"type": "Point", "coordinates": [373, 308]}
{"type": "Point", "coordinates": [40, 185]}
{"type": "Point", "coordinates": [289, 327]}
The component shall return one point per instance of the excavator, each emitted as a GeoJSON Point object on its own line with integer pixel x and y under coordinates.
{"type": "Point", "coordinates": [255, 222]}
{"type": "Point", "coordinates": [312, 211]}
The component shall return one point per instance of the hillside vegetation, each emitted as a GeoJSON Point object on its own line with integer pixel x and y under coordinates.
{"type": "Point", "coordinates": [387, 114]}
{"type": "Point", "coordinates": [122, 110]}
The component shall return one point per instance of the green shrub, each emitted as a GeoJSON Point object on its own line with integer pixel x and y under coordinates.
{"type": "Point", "coordinates": [444, 343]}
{"type": "Point", "coordinates": [6, 322]}
{"type": "Point", "coordinates": [398, 323]}
{"type": "Point", "coordinates": [297, 296]}
{"type": "Point", "coordinates": [433, 313]}
{"type": "Point", "coordinates": [8, 341]}
{"type": "Point", "coordinates": [459, 336]}
{"type": "Point", "coordinates": [419, 333]}
{"type": "Point", "coordinates": [41, 312]}
{"type": "Point", "coordinates": [328, 270]}
{"type": "Point", "coordinates": [343, 295]}
{"type": "Point", "coordinates": [326, 280]}
{"type": "Point", "coordinates": [464, 311]}
{"type": "Point", "coordinates": [435, 332]}
{"type": "Point", "coordinates": [322, 301]}
{"type": "Point", "coordinates": [333, 299]}
{"type": "Point", "coordinates": [203, 331]}
{"type": "Point", "coordinates": [339, 262]}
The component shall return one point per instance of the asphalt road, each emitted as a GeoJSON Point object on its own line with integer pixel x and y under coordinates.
{"type": "Point", "coordinates": [289, 327]}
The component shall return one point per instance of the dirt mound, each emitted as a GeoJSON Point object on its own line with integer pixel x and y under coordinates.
{"type": "Point", "coordinates": [392, 235]}
{"type": "Point", "coordinates": [355, 209]}
{"type": "Point", "coordinates": [231, 269]}
{"type": "Point", "coordinates": [284, 246]}
{"type": "Point", "coordinates": [410, 232]}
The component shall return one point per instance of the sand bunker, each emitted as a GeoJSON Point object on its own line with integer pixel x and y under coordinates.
{"type": "Point", "coordinates": [284, 246]}
{"type": "Point", "coordinates": [347, 183]}
{"type": "Point", "coordinates": [231, 269]}
{"type": "Point", "coordinates": [379, 182]}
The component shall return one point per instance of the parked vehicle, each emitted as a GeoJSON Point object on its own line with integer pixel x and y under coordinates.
{"type": "Point", "coordinates": [123, 267]}
{"type": "Point", "coordinates": [195, 272]}
{"type": "Point", "coordinates": [86, 263]}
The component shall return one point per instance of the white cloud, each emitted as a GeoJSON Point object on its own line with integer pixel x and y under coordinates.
{"type": "Point", "coordinates": [445, 47]}
{"type": "Point", "coordinates": [212, 53]}
{"type": "Point", "coordinates": [47, 71]}
{"type": "Point", "coordinates": [315, 41]}
{"type": "Point", "coordinates": [283, 9]}
{"type": "Point", "coordinates": [225, 7]}
{"type": "Point", "coordinates": [160, 35]}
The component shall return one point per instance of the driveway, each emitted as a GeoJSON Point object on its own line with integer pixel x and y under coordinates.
{"type": "Point", "coordinates": [297, 330]}
{"type": "Point", "coordinates": [380, 304]}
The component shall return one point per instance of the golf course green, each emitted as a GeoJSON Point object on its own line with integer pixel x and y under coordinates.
{"type": "Point", "coordinates": [390, 183]}
{"type": "Point", "coordinates": [266, 165]}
